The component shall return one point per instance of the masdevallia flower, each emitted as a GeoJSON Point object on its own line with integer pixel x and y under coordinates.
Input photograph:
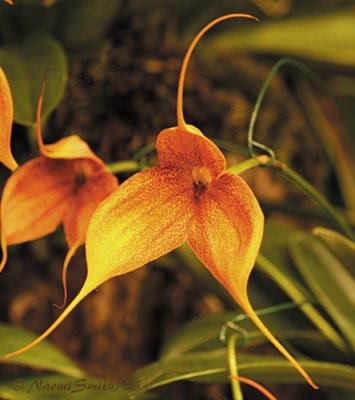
{"type": "Point", "coordinates": [6, 119]}
{"type": "Point", "coordinates": [65, 184]}
{"type": "Point", "coordinates": [189, 196]}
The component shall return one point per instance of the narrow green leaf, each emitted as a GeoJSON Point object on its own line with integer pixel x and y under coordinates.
{"type": "Point", "coordinates": [323, 37]}
{"type": "Point", "coordinates": [212, 367]}
{"type": "Point", "coordinates": [275, 247]}
{"type": "Point", "coordinates": [203, 333]}
{"type": "Point", "coordinates": [44, 356]}
{"type": "Point", "coordinates": [340, 245]}
{"type": "Point", "coordinates": [331, 283]}
{"type": "Point", "coordinates": [25, 64]}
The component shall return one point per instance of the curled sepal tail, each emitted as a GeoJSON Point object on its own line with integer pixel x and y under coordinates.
{"type": "Point", "coordinates": [255, 385]}
{"type": "Point", "coordinates": [246, 306]}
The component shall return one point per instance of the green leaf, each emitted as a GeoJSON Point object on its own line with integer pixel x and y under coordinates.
{"type": "Point", "coordinates": [58, 387]}
{"type": "Point", "coordinates": [203, 334]}
{"type": "Point", "coordinates": [331, 283]}
{"type": "Point", "coordinates": [83, 23]}
{"type": "Point", "coordinates": [44, 356]}
{"type": "Point", "coordinates": [341, 246]}
{"type": "Point", "coordinates": [324, 37]}
{"type": "Point", "coordinates": [212, 367]}
{"type": "Point", "coordinates": [25, 64]}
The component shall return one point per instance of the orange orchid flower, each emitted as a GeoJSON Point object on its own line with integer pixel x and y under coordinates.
{"type": "Point", "coordinates": [64, 185]}
{"type": "Point", "coordinates": [189, 196]}
{"type": "Point", "coordinates": [6, 118]}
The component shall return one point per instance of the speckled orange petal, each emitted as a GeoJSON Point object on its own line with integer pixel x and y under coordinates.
{"type": "Point", "coordinates": [226, 234]}
{"type": "Point", "coordinates": [80, 207]}
{"type": "Point", "coordinates": [96, 186]}
{"type": "Point", "coordinates": [227, 230]}
{"type": "Point", "coordinates": [6, 118]}
{"type": "Point", "coordinates": [179, 148]}
{"type": "Point", "coordinates": [146, 217]}
{"type": "Point", "coordinates": [33, 201]}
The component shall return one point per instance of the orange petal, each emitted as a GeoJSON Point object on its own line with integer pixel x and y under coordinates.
{"type": "Point", "coordinates": [146, 217]}
{"type": "Point", "coordinates": [178, 148]}
{"type": "Point", "coordinates": [6, 118]}
{"type": "Point", "coordinates": [255, 385]}
{"type": "Point", "coordinates": [68, 148]}
{"type": "Point", "coordinates": [97, 184]}
{"type": "Point", "coordinates": [33, 202]}
{"type": "Point", "coordinates": [227, 231]}
{"type": "Point", "coordinates": [226, 236]}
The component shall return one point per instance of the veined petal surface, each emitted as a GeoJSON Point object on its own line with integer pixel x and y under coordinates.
{"type": "Point", "coordinates": [34, 199]}
{"type": "Point", "coordinates": [178, 148]}
{"type": "Point", "coordinates": [145, 218]}
{"type": "Point", "coordinates": [227, 230]}
{"type": "Point", "coordinates": [98, 185]}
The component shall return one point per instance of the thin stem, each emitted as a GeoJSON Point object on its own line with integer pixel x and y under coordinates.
{"type": "Point", "coordinates": [233, 367]}
{"type": "Point", "coordinates": [316, 196]}
{"type": "Point", "coordinates": [123, 166]}
{"type": "Point", "coordinates": [308, 73]}
{"type": "Point", "coordinates": [149, 148]}
{"type": "Point", "coordinates": [179, 103]}
{"type": "Point", "coordinates": [248, 164]}
{"type": "Point", "coordinates": [297, 295]}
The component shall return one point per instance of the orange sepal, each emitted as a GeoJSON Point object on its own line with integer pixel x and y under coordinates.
{"type": "Point", "coordinates": [188, 148]}
{"type": "Point", "coordinates": [227, 230]}
{"type": "Point", "coordinates": [96, 185]}
{"type": "Point", "coordinates": [146, 217]}
{"type": "Point", "coordinates": [226, 235]}
{"type": "Point", "coordinates": [33, 202]}
{"type": "Point", "coordinates": [70, 148]}
{"type": "Point", "coordinates": [6, 118]}
{"type": "Point", "coordinates": [81, 206]}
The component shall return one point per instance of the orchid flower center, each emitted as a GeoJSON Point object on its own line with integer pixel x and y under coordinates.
{"type": "Point", "coordinates": [82, 171]}
{"type": "Point", "coordinates": [202, 179]}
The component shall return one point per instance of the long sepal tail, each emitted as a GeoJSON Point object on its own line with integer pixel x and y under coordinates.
{"type": "Point", "coordinates": [259, 324]}
{"type": "Point", "coordinates": [86, 289]}
{"type": "Point", "coordinates": [70, 254]}
{"type": "Point", "coordinates": [255, 385]}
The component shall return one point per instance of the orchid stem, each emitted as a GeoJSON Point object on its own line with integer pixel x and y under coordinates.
{"type": "Point", "coordinates": [297, 295]}
{"type": "Point", "coordinates": [233, 367]}
{"type": "Point", "coordinates": [317, 197]}
{"type": "Point", "coordinates": [248, 164]}
{"type": "Point", "coordinates": [123, 166]}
